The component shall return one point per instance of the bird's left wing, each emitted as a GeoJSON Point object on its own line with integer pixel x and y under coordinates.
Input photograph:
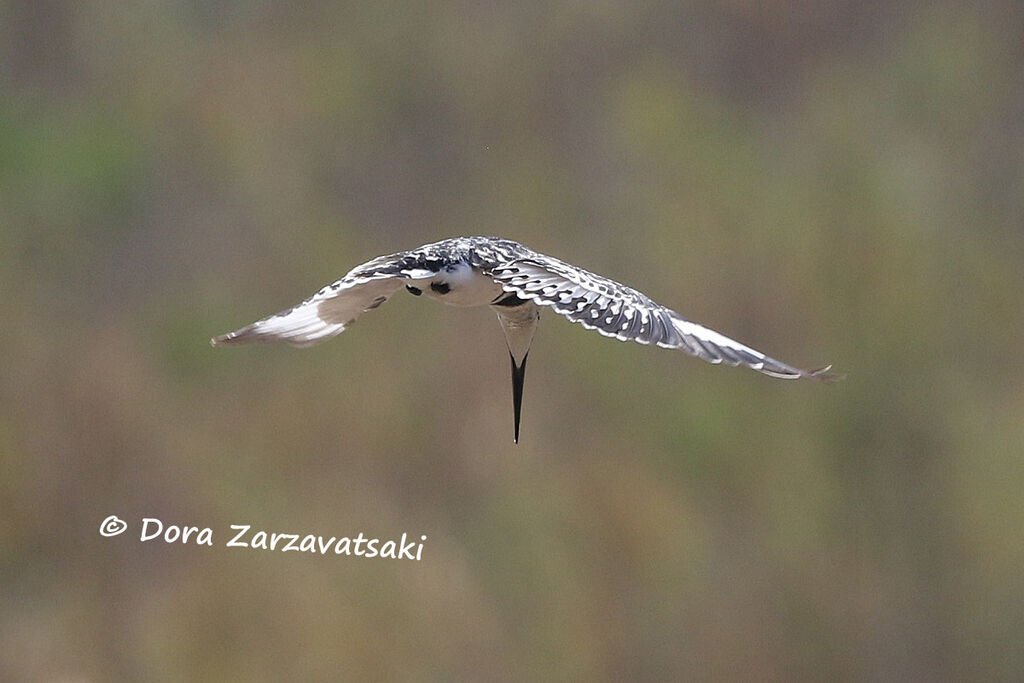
{"type": "Point", "coordinates": [331, 310]}
{"type": "Point", "coordinates": [616, 310]}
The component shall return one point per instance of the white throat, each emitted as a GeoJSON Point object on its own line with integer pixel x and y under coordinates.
{"type": "Point", "coordinates": [460, 285]}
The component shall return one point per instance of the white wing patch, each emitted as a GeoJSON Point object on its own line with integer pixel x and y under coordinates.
{"type": "Point", "coordinates": [325, 314]}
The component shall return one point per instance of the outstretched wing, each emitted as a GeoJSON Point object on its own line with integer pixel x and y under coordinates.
{"type": "Point", "coordinates": [616, 310]}
{"type": "Point", "coordinates": [331, 310]}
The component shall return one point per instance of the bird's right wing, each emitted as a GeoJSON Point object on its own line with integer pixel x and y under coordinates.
{"type": "Point", "coordinates": [331, 310]}
{"type": "Point", "coordinates": [615, 310]}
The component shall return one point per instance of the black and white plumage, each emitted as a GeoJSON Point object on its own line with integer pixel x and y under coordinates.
{"type": "Point", "coordinates": [515, 282]}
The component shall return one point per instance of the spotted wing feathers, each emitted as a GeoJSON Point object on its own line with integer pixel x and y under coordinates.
{"type": "Point", "coordinates": [615, 310]}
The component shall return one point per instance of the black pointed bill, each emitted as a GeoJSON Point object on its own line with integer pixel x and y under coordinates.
{"type": "Point", "coordinates": [518, 375]}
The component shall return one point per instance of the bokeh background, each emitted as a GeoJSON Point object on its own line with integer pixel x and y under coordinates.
{"type": "Point", "coordinates": [831, 181]}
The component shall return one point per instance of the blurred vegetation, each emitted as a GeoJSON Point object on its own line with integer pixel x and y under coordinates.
{"type": "Point", "coordinates": [831, 182]}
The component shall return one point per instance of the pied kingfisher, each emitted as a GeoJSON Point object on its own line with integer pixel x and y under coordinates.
{"type": "Point", "coordinates": [515, 282]}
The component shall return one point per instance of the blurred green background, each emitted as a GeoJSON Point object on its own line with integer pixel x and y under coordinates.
{"type": "Point", "coordinates": [832, 181]}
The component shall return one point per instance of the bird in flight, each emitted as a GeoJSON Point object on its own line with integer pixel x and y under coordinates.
{"type": "Point", "coordinates": [516, 282]}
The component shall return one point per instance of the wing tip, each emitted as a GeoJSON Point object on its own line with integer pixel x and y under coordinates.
{"type": "Point", "coordinates": [237, 337]}
{"type": "Point", "coordinates": [823, 375]}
